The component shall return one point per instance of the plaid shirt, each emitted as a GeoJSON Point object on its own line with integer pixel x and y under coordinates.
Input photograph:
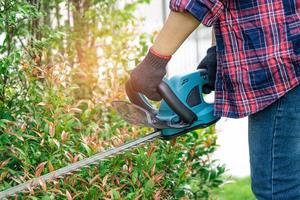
{"type": "Point", "coordinates": [258, 45]}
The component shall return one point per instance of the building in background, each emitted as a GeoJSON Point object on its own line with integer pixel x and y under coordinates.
{"type": "Point", "coordinates": [232, 133]}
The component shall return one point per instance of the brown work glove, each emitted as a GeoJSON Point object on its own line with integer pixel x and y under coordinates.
{"type": "Point", "coordinates": [146, 77]}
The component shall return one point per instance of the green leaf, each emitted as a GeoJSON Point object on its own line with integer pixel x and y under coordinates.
{"type": "Point", "coordinates": [87, 149]}
{"type": "Point", "coordinates": [115, 194]}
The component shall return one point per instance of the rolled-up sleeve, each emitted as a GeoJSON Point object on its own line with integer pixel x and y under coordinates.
{"type": "Point", "coordinates": [206, 11]}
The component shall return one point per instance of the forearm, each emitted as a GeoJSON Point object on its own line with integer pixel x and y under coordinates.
{"type": "Point", "coordinates": [175, 31]}
{"type": "Point", "coordinates": [213, 42]}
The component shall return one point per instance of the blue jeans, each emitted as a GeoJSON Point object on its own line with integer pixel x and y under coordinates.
{"type": "Point", "coordinates": [274, 146]}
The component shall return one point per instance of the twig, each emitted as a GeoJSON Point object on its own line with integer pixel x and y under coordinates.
{"type": "Point", "coordinates": [24, 47]}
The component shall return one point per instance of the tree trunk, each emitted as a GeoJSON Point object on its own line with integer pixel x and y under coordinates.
{"type": "Point", "coordinates": [47, 21]}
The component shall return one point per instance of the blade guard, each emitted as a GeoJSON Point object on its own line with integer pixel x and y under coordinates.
{"type": "Point", "coordinates": [137, 115]}
{"type": "Point", "coordinates": [144, 108]}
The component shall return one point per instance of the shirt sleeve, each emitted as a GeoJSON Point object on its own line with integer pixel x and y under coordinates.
{"type": "Point", "coordinates": [206, 11]}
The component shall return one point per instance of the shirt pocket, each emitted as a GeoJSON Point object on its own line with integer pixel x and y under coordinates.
{"type": "Point", "coordinates": [254, 40]}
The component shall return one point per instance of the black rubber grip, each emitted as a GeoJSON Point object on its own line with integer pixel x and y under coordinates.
{"type": "Point", "coordinates": [175, 104]}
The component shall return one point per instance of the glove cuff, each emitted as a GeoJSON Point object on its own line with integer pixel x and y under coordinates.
{"type": "Point", "coordinates": [156, 60]}
{"type": "Point", "coordinates": [159, 55]}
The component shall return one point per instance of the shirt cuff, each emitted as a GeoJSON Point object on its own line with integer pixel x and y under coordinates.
{"type": "Point", "coordinates": [206, 11]}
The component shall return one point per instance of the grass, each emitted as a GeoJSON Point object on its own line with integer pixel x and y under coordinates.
{"type": "Point", "coordinates": [238, 189]}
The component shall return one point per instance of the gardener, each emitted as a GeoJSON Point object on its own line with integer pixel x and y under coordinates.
{"type": "Point", "coordinates": [258, 48]}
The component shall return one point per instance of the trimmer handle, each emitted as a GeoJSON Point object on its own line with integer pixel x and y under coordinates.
{"type": "Point", "coordinates": [185, 114]}
{"type": "Point", "coordinates": [168, 96]}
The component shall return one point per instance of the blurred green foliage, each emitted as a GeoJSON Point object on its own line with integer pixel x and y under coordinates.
{"type": "Point", "coordinates": [62, 63]}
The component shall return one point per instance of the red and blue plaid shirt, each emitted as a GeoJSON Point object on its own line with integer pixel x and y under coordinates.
{"type": "Point", "coordinates": [258, 45]}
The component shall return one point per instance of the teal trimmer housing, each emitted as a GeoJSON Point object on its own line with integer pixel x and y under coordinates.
{"type": "Point", "coordinates": [186, 105]}
{"type": "Point", "coordinates": [183, 107]}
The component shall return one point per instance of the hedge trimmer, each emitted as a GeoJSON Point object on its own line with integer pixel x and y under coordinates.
{"type": "Point", "coordinates": [182, 110]}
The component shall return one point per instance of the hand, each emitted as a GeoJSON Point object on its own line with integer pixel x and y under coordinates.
{"type": "Point", "coordinates": [210, 64]}
{"type": "Point", "coordinates": [146, 77]}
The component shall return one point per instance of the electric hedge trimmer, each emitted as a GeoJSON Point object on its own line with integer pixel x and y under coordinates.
{"type": "Point", "coordinates": [182, 110]}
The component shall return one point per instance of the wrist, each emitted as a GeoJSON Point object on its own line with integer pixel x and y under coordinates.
{"type": "Point", "coordinates": [162, 48]}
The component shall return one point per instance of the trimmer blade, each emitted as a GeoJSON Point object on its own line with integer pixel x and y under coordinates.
{"type": "Point", "coordinates": [136, 115]}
